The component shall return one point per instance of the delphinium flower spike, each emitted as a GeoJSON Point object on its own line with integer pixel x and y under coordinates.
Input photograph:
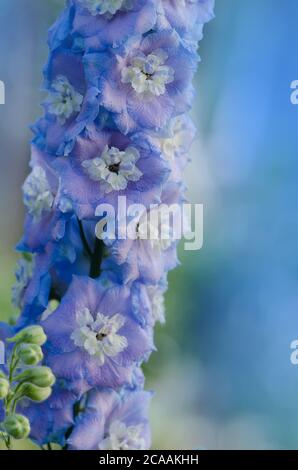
{"type": "Point", "coordinates": [115, 127]}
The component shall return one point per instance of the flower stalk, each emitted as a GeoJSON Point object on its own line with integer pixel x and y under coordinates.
{"type": "Point", "coordinates": [115, 125]}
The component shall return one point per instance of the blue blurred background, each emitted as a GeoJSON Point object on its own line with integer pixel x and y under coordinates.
{"type": "Point", "coordinates": [222, 374]}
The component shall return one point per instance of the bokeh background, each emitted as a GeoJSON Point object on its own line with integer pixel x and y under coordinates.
{"type": "Point", "coordinates": [222, 373]}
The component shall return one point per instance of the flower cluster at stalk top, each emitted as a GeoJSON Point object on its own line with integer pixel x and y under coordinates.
{"type": "Point", "coordinates": [115, 124]}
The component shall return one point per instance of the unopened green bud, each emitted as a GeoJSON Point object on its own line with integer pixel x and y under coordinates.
{"type": "Point", "coordinates": [33, 392]}
{"type": "Point", "coordinates": [4, 388]}
{"type": "Point", "coordinates": [40, 376]}
{"type": "Point", "coordinates": [31, 334]}
{"type": "Point", "coordinates": [17, 426]}
{"type": "Point", "coordinates": [30, 354]}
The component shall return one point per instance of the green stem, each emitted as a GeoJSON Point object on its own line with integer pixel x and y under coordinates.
{"type": "Point", "coordinates": [13, 363]}
{"type": "Point", "coordinates": [5, 438]}
{"type": "Point", "coordinates": [95, 267]}
{"type": "Point", "coordinates": [84, 239]}
{"type": "Point", "coordinates": [11, 402]}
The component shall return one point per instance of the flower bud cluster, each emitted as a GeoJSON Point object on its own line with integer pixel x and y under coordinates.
{"type": "Point", "coordinates": [21, 380]}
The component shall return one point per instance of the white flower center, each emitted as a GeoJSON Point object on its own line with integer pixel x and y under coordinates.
{"type": "Point", "coordinates": [37, 193]}
{"type": "Point", "coordinates": [63, 100]}
{"type": "Point", "coordinates": [122, 437]}
{"type": "Point", "coordinates": [148, 74]}
{"type": "Point", "coordinates": [155, 225]}
{"type": "Point", "coordinates": [114, 168]}
{"type": "Point", "coordinates": [109, 7]}
{"type": "Point", "coordinates": [157, 303]}
{"type": "Point", "coordinates": [99, 337]}
{"type": "Point", "coordinates": [23, 273]}
{"type": "Point", "coordinates": [177, 141]}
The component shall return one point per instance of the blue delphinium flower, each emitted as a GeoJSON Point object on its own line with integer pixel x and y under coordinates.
{"type": "Point", "coordinates": [118, 86]}
{"type": "Point", "coordinates": [113, 421]}
{"type": "Point", "coordinates": [95, 332]}
{"type": "Point", "coordinates": [142, 258]}
{"type": "Point", "coordinates": [185, 15]}
{"type": "Point", "coordinates": [104, 23]}
{"type": "Point", "coordinates": [145, 82]}
{"type": "Point", "coordinates": [173, 143]}
{"type": "Point", "coordinates": [51, 419]}
{"type": "Point", "coordinates": [31, 291]}
{"type": "Point", "coordinates": [105, 164]}
{"type": "Point", "coordinates": [69, 104]}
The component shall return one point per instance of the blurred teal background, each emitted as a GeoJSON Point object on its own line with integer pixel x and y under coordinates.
{"type": "Point", "coordinates": [222, 372]}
